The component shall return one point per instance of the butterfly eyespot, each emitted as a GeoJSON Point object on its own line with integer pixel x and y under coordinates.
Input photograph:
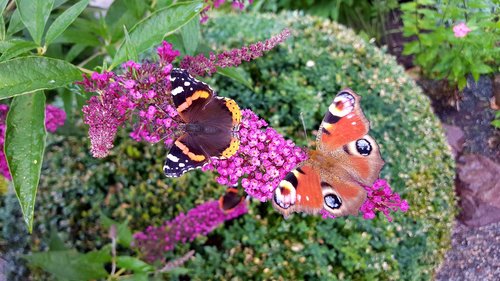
{"type": "Point", "coordinates": [342, 105]}
{"type": "Point", "coordinates": [363, 147]}
{"type": "Point", "coordinates": [332, 201]}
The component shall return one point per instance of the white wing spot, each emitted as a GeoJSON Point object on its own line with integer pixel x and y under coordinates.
{"type": "Point", "coordinates": [173, 158]}
{"type": "Point", "coordinates": [187, 83]}
{"type": "Point", "coordinates": [177, 91]}
{"type": "Point", "coordinates": [181, 165]}
{"type": "Point", "coordinates": [307, 198]}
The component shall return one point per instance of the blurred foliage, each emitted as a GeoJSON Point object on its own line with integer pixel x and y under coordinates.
{"type": "Point", "coordinates": [437, 50]}
{"type": "Point", "coordinates": [367, 17]}
{"type": "Point", "coordinates": [301, 76]}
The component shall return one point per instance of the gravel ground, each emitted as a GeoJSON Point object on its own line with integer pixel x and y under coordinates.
{"type": "Point", "coordinates": [475, 254]}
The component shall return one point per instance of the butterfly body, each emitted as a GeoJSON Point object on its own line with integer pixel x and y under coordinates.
{"type": "Point", "coordinates": [345, 159]}
{"type": "Point", "coordinates": [208, 127]}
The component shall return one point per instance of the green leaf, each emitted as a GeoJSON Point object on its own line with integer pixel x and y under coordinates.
{"type": "Point", "coordinates": [68, 100]}
{"type": "Point", "coordinates": [153, 29]}
{"type": "Point", "coordinates": [74, 52]}
{"type": "Point", "coordinates": [237, 74]}
{"type": "Point", "coordinates": [15, 23]}
{"type": "Point", "coordinates": [191, 35]}
{"type": "Point", "coordinates": [134, 264]}
{"type": "Point", "coordinates": [64, 20]}
{"type": "Point", "coordinates": [29, 74]}
{"type": "Point", "coordinates": [124, 235]}
{"type": "Point", "coordinates": [130, 49]}
{"type": "Point", "coordinates": [3, 3]}
{"type": "Point", "coordinates": [34, 14]}
{"type": "Point", "coordinates": [411, 48]}
{"type": "Point", "coordinates": [18, 48]}
{"type": "Point", "coordinates": [71, 265]}
{"type": "Point", "coordinates": [56, 243]}
{"type": "Point", "coordinates": [496, 123]}
{"type": "Point", "coordinates": [462, 82]}
{"type": "Point", "coordinates": [136, 277]}
{"type": "Point", "coordinates": [2, 28]}
{"type": "Point", "coordinates": [123, 13]}
{"type": "Point", "coordinates": [24, 146]}
{"type": "Point", "coordinates": [78, 36]}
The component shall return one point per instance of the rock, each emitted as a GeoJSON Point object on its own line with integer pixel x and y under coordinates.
{"type": "Point", "coordinates": [455, 137]}
{"type": "Point", "coordinates": [478, 186]}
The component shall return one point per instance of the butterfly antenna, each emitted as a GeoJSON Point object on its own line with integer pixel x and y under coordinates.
{"type": "Point", "coordinates": [304, 126]}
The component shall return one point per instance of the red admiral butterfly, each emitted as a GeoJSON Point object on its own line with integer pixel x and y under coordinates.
{"type": "Point", "coordinates": [345, 159]}
{"type": "Point", "coordinates": [209, 125]}
{"type": "Point", "coordinates": [230, 200]}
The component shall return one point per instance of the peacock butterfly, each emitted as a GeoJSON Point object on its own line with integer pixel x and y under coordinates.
{"type": "Point", "coordinates": [345, 159]}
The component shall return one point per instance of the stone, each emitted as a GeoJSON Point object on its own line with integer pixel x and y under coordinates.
{"type": "Point", "coordinates": [478, 187]}
{"type": "Point", "coordinates": [455, 137]}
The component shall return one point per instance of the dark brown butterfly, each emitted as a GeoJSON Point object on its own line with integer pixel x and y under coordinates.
{"type": "Point", "coordinates": [209, 125]}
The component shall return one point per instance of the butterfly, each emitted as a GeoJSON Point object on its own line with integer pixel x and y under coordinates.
{"type": "Point", "coordinates": [345, 159]}
{"type": "Point", "coordinates": [209, 125]}
{"type": "Point", "coordinates": [230, 200]}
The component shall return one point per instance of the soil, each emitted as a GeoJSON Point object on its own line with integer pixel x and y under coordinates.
{"type": "Point", "coordinates": [466, 117]}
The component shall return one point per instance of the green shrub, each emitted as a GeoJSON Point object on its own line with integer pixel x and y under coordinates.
{"type": "Point", "coordinates": [439, 52]}
{"type": "Point", "coordinates": [302, 75]}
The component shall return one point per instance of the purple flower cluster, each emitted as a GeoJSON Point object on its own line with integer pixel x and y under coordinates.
{"type": "Point", "coordinates": [201, 220]}
{"type": "Point", "coordinates": [201, 65]}
{"type": "Point", "coordinates": [262, 161]}
{"type": "Point", "coordinates": [54, 118]}
{"type": "Point", "coordinates": [142, 93]}
{"type": "Point", "coordinates": [381, 198]}
{"type": "Point", "coordinates": [236, 4]}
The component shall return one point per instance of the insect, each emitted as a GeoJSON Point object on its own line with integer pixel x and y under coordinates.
{"type": "Point", "coordinates": [230, 200]}
{"type": "Point", "coordinates": [209, 127]}
{"type": "Point", "coordinates": [345, 159]}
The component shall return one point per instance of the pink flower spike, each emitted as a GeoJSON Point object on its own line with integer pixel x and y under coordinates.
{"type": "Point", "coordinates": [201, 220]}
{"type": "Point", "coordinates": [201, 65]}
{"type": "Point", "coordinates": [260, 170]}
{"type": "Point", "coordinates": [166, 53]}
{"type": "Point", "coordinates": [381, 198]}
{"type": "Point", "coordinates": [54, 118]}
{"type": "Point", "coordinates": [461, 30]}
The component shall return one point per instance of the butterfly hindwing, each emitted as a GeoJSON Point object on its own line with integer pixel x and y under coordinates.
{"type": "Point", "coordinates": [183, 157]}
{"type": "Point", "coordinates": [230, 200]}
{"type": "Point", "coordinates": [299, 191]}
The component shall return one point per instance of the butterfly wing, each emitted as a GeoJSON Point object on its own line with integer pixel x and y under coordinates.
{"type": "Point", "coordinates": [343, 136]}
{"type": "Point", "coordinates": [188, 94]}
{"type": "Point", "coordinates": [209, 122]}
{"type": "Point", "coordinates": [333, 176]}
{"type": "Point", "coordinates": [185, 155]}
{"type": "Point", "coordinates": [230, 200]}
{"type": "Point", "coordinates": [349, 158]}
{"type": "Point", "coordinates": [299, 191]}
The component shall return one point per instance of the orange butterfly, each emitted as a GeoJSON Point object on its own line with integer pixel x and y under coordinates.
{"type": "Point", "coordinates": [345, 159]}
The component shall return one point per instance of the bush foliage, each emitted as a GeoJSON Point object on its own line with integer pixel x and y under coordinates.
{"type": "Point", "coordinates": [301, 76]}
